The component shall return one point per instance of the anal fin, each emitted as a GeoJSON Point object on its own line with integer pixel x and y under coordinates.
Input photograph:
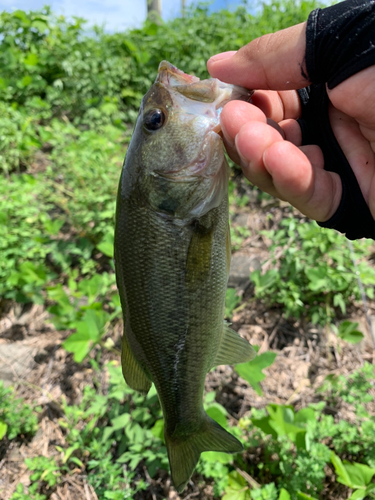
{"type": "Point", "coordinates": [233, 349]}
{"type": "Point", "coordinates": [134, 374]}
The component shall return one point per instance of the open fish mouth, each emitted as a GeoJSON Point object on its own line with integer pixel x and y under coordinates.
{"type": "Point", "coordinates": [170, 76]}
{"type": "Point", "coordinates": [207, 91]}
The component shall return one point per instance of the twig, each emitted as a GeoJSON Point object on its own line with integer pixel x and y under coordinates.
{"type": "Point", "coordinates": [248, 478]}
{"type": "Point", "coordinates": [11, 367]}
{"type": "Point", "coordinates": [267, 342]}
{"type": "Point", "coordinates": [87, 493]}
{"type": "Point", "coordinates": [49, 368]}
{"type": "Point", "coordinates": [300, 387]}
{"type": "Point", "coordinates": [192, 495]}
{"type": "Point", "coordinates": [149, 480]}
{"type": "Point", "coordinates": [43, 391]}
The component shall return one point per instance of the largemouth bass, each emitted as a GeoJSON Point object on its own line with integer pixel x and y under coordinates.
{"type": "Point", "coordinates": [172, 255]}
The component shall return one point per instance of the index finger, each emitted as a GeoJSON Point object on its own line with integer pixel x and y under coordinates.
{"type": "Point", "coordinates": [275, 62]}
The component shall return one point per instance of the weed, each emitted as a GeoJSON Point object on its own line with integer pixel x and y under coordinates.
{"type": "Point", "coordinates": [65, 101]}
{"type": "Point", "coordinates": [16, 417]}
{"type": "Point", "coordinates": [315, 274]}
{"type": "Point", "coordinates": [19, 494]}
{"type": "Point", "coordinates": [252, 371]}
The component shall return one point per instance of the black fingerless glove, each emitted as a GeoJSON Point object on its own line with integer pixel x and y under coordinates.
{"type": "Point", "coordinates": [340, 41]}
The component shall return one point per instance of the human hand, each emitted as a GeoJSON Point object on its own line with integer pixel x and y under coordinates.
{"type": "Point", "coordinates": [265, 139]}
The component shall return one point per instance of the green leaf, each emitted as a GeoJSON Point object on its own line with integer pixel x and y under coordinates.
{"type": "Point", "coordinates": [237, 488]}
{"type": "Point", "coordinates": [360, 474]}
{"type": "Point", "coordinates": [343, 476]}
{"type": "Point", "coordinates": [76, 461]}
{"type": "Point", "coordinates": [217, 414]}
{"type": "Point", "coordinates": [305, 415]}
{"type": "Point", "coordinates": [151, 28]}
{"type": "Point", "coordinates": [31, 59]}
{"type": "Point", "coordinates": [217, 456]}
{"type": "Point", "coordinates": [120, 422]}
{"type": "Point", "coordinates": [130, 45]}
{"type": "Point", "coordinates": [338, 300]}
{"type": "Point", "coordinates": [40, 25]}
{"type": "Point", "coordinates": [264, 425]}
{"type": "Point", "coordinates": [79, 344]}
{"type": "Point", "coordinates": [231, 301]}
{"type": "Point", "coordinates": [52, 226]}
{"type": "Point", "coordinates": [69, 452]}
{"type": "Point", "coordinates": [264, 281]}
{"type": "Point", "coordinates": [348, 332]}
{"type": "Point", "coordinates": [3, 429]}
{"type": "Point", "coordinates": [25, 81]}
{"type": "Point", "coordinates": [89, 332]}
{"type": "Point", "coordinates": [22, 16]}
{"type": "Point", "coordinates": [284, 495]}
{"type": "Point", "coordinates": [158, 429]}
{"type": "Point", "coordinates": [209, 397]}
{"type": "Point", "coordinates": [282, 420]}
{"type": "Point", "coordinates": [304, 496]}
{"type": "Point", "coordinates": [317, 277]}
{"type": "Point", "coordinates": [370, 488]}
{"type": "Point", "coordinates": [94, 322]}
{"type": "Point", "coordinates": [106, 245]}
{"type": "Point", "coordinates": [107, 433]}
{"type": "Point", "coordinates": [358, 495]}
{"type": "Point", "coordinates": [252, 371]}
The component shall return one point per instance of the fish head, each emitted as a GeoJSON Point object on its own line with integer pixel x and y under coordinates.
{"type": "Point", "coordinates": [181, 168]}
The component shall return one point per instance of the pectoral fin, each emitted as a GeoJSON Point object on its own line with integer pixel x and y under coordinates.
{"type": "Point", "coordinates": [233, 349]}
{"type": "Point", "coordinates": [198, 263]}
{"type": "Point", "coordinates": [134, 374]}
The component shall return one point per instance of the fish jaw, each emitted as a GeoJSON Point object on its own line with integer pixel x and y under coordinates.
{"type": "Point", "coordinates": [211, 91]}
{"type": "Point", "coordinates": [191, 179]}
{"type": "Point", "coordinates": [169, 75]}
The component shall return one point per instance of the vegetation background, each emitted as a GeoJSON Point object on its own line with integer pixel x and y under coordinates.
{"type": "Point", "coordinates": [70, 428]}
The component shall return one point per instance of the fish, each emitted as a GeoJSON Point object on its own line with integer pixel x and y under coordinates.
{"type": "Point", "coordinates": [172, 256]}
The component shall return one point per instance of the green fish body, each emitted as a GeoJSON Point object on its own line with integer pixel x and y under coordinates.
{"type": "Point", "coordinates": [172, 255]}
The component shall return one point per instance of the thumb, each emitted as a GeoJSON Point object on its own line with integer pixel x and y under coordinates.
{"type": "Point", "coordinates": [275, 62]}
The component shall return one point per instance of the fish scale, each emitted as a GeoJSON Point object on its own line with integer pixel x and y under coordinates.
{"type": "Point", "coordinates": [172, 253]}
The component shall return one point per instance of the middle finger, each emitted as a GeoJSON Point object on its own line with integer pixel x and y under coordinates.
{"type": "Point", "coordinates": [278, 105]}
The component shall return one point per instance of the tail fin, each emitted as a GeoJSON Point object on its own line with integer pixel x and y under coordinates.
{"type": "Point", "coordinates": [184, 452]}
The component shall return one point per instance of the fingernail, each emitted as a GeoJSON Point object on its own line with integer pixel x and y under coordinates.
{"type": "Point", "coordinates": [222, 56]}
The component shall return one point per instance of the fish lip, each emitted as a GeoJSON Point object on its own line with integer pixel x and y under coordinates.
{"type": "Point", "coordinates": [166, 70]}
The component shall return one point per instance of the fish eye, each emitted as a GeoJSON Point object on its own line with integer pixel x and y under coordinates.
{"type": "Point", "coordinates": [154, 120]}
